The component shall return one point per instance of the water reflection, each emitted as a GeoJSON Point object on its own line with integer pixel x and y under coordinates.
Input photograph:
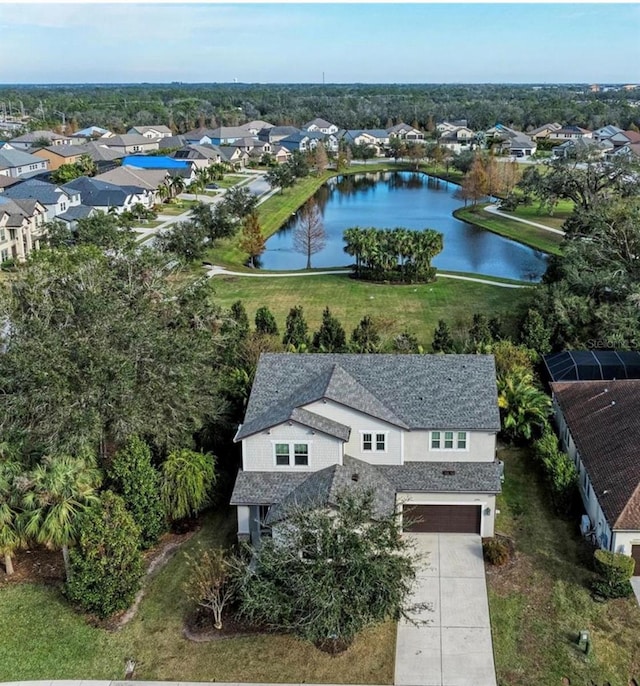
{"type": "Point", "coordinates": [412, 200]}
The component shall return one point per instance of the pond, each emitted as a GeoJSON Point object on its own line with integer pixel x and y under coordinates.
{"type": "Point", "coordinates": [413, 201]}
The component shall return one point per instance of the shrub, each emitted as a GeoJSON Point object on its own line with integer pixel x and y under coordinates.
{"type": "Point", "coordinates": [496, 551]}
{"type": "Point", "coordinates": [559, 470]}
{"type": "Point", "coordinates": [132, 475]}
{"type": "Point", "coordinates": [614, 570]}
{"type": "Point", "coordinates": [106, 564]}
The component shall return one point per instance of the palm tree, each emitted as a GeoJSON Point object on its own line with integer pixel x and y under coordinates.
{"type": "Point", "coordinates": [164, 192]}
{"type": "Point", "coordinates": [177, 185]}
{"type": "Point", "coordinates": [10, 539]}
{"type": "Point", "coordinates": [57, 490]}
{"type": "Point", "coordinates": [523, 406]}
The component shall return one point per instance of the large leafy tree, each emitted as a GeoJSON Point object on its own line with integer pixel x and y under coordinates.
{"type": "Point", "coordinates": [56, 493]}
{"type": "Point", "coordinates": [332, 574]}
{"type": "Point", "coordinates": [132, 475]}
{"type": "Point", "coordinates": [106, 564]}
{"type": "Point", "coordinates": [186, 240]}
{"type": "Point", "coordinates": [100, 347]}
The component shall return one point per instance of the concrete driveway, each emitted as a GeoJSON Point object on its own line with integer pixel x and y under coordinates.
{"type": "Point", "coordinates": [453, 646]}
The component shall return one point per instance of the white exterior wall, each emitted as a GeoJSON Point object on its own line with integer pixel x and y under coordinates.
{"type": "Point", "coordinates": [481, 447]}
{"type": "Point", "coordinates": [360, 423]}
{"type": "Point", "coordinates": [622, 542]}
{"type": "Point", "coordinates": [258, 451]}
{"type": "Point", "coordinates": [486, 501]}
{"type": "Point", "coordinates": [589, 499]}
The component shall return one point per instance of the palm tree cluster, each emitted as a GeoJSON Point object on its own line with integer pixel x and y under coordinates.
{"type": "Point", "coordinates": [396, 254]}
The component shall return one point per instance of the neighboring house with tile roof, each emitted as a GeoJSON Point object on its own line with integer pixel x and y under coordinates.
{"type": "Point", "coordinates": [599, 427]}
{"type": "Point", "coordinates": [304, 141]}
{"type": "Point", "coordinates": [21, 222]}
{"type": "Point", "coordinates": [456, 139]}
{"type": "Point", "coordinates": [18, 163]}
{"type": "Point", "coordinates": [142, 183]}
{"type": "Point", "coordinates": [274, 134]}
{"type": "Point", "coordinates": [583, 147]}
{"type": "Point", "coordinates": [418, 430]}
{"type": "Point", "coordinates": [512, 142]}
{"type": "Point", "coordinates": [57, 155]}
{"type": "Point", "coordinates": [200, 156]}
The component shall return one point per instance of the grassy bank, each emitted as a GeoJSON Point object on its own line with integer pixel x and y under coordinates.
{"type": "Point", "coordinates": [43, 638]}
{"type": "Point", "coordinates": [275, 211]}
{"type": "Point", "coordinates": [533, 213]}
{"type": "Point", "coordinates": [517, 231]}
{"type": "Point", "coordinates": [415, 308]}
{"type": "Point", "coordinates": [541, 601]}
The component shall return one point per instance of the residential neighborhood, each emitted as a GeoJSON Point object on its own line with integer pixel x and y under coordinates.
{"type": "Point", "coordinates": [319, 345]}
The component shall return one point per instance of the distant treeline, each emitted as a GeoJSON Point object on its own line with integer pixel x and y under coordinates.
{"type": "Point", "coordinates": [185, 106]}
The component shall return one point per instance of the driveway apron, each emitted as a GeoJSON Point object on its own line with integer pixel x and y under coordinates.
{"type": "Point", "coordinates": [451, 645]}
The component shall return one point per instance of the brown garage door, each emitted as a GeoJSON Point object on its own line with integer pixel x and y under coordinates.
{"type": "Point", "coordinates": [635, 554]}
{"type": "Point", "coordinates": [456, 519]}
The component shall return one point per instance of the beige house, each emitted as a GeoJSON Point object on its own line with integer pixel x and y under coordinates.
{"type": "Point", "coordinates": [21, 224]}
{"type": "Point", "coordinates": [129, 143]}
{"type": "Point", "coordinates": [417, 430]}
{"type": "Point", "coordinates": [57, 155]}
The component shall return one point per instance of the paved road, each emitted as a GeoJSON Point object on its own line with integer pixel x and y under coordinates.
{"type": "Point", "coordinates": [214, 270]}
{"type": "Point", "coordinates": [452, 646]}
{"type": "Point", "coordinates": [493, 209]}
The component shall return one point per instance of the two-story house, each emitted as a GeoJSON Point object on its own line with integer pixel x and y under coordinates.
{"type": "Point", "coordinates": [421, 427]}
{"type": "Point", "coordinates": [17, 163]}
{"type": "Point", "coordinates": [55, 199]}
{"type": "Point", "coordinates": [406, 133]}
{"type": "Point", "coordinates": [21, 223]}
{"type": "Point", "coordinates": [319, 125]}
{"type": "Point", "coordinates": [153, 132]}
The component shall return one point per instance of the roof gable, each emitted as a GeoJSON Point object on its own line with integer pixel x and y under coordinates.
{"type": "Point", "coordinates": [409, 391]}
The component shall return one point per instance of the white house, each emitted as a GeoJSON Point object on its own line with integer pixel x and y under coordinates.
{"type": "Point", "coordinates": [406, 133]}
{"type": "Point", "coordinates": [156, 131]}
{"type": "Point", "coordinates": [319, 125]}
{"type": "Point", "coordinates": [421, 426]}
{"type": "Point", "coordinates": [21, 223]}
{"type": "Point", "coordinates": [457, 139]}
{"type": "Point", "coordinates": [55, 199]}
{"type": "Point", "coordinates": [599, 427]}
{"type": "Point", "coordinates": [18, 163]}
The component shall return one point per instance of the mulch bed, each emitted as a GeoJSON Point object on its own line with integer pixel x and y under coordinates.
{"type": "Point", "coordinates": [199, 627]}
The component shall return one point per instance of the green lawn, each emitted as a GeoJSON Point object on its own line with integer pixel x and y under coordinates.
{"type": "Point", "coordinates": [416, 308]}
{"type": "Point", "coordinates": [152, 224]}
{"type": "Point", "coordinates": [42, 638]}
{"type": "Point", "coordinates": [533, 213]}
{"type": "Point", "coordinates": [177, 208]}
{"type": "Point", "coordinates": [522, 233]}
{"type": "Point", "coordinates": [540, 602]}
{"type": "Point", "coordinates": [230, 180]}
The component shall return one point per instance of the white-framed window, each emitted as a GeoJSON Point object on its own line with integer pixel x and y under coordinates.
{"type": "Point", "coordinates": [4, 255]}
{"type": "Point", "coordinates": [449, 440]}
{"type": "Point", "coordinates": [287, 454]}
{"type": "Point", "coordinates": [374, 441]}
{"type": "Point", "coordinates": [3, 235]}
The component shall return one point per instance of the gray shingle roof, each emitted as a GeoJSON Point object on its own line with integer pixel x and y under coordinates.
{"type": "Point", "coordinates": [323, 488]}
{"type": "Point", "coordinates": [323, 424]}
{"type": "Point", "coordinates": [264, 488]}
{"type": "Point", "coordinates": [76, 212]}
{"type": "Point", "coordinates": [437, 477]}
{"type": "Point", "coordinates": [46, 193]}
{"type": "Point", "coordinates": [410, 391]}
{"type": "Point", "coordinates": [10, 158]}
